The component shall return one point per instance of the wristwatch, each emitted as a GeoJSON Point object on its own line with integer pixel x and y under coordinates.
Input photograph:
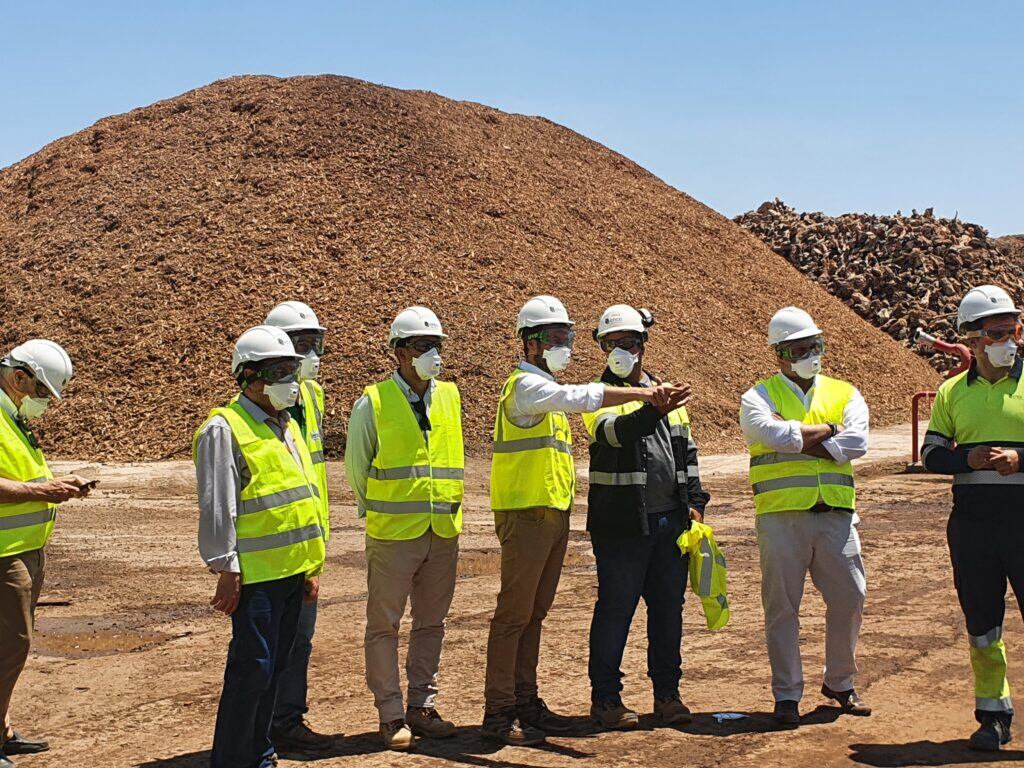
{"type": "Point", "coordinates": [834, 428]}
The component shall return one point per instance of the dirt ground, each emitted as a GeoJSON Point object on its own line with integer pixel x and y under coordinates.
{"type": "Point", "coordinates": [127, 666]}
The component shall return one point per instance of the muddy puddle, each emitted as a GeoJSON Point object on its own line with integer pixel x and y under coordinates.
{"type": "Point", "coordinates": [84, 637]}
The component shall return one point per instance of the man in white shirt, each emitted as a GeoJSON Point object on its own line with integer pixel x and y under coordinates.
{"type": "Point", "coordinates": [803, 429]}
{"type": "Point", "coordinates": [533, 484]}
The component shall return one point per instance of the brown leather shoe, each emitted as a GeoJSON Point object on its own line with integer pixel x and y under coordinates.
{"type": "Point", "coordinates": [301, 737]}
{"type": "Point", "coordinates": [672, 711]}
{"type": "Point", "coordinates": [614, 715]}
{"type": "Point", "coordinates": [536, 713]}
{"type": "Point", "coordinates": [397, 736]}
{"type": "Point", "coordinates": [424, 721]}
{"type": "Point", "coordinates": [849, 701]}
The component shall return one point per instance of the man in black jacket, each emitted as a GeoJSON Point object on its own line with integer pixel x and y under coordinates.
{"type": "Point", "coordinates": [644, 489]}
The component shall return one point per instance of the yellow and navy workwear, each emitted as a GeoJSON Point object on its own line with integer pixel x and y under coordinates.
{"type": "Point", "coordinates": [985, 531]}
{"type": "Point", "coordinates": [619, 458]}
{"type": "Point", "coordinates": [24, 525]}
{"type": "Point", "coordinates": [415, 482]}
{"type": "Point", "coordinates": [531, 467]}
{"type": "Point", "coordinates": [786, 482]}
{"type": "Point", "coordinates": [277, 530]}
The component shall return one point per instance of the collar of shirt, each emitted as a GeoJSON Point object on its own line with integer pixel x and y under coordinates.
{"type": "Point", "coordinates": [8, 405]}
{"type": "Point", "coordinates": [805, 397]}
{"type": "Point", "coordinates": [261, 416]}
{"type": "Point", "coordinates": [531, 368]}
{"type": "Point", "coordinates": [411, 396]}
{"type": "Point", "coordinates": [1015, 370]}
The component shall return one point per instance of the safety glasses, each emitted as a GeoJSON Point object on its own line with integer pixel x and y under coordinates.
{"type": "Point", "coordinates": [41, 390]}
{"type": "Point", "coordinates": [425, 345]}
{"type": "Point", "coordinates": [628, 343]}
{"type": "Point", "coordinates": [308, 341]}
{"type": "Point", "coordinates": [556, 337]}
{"type": "Point", "coordinates": [1001, 333]}
{"type": "Point", "coordinates": [278, 370]}
{"type": "Point", "coordinates": [798, 350]}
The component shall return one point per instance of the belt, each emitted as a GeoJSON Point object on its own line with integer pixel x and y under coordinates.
{"type": "Point", "coordinates": [827, 508]}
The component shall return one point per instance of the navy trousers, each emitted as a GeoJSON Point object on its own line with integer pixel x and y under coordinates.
{"type": "Point", "coordinates": [263, 630]}
{"type": "Point", "coordinates": [627, 569]}
{"type": "Point", "coordinates": [293, 686]}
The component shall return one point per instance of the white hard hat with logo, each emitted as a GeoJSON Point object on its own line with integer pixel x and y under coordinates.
{"type": "Point", "coordinates": [542, 310]}
{"type": "Point", "coordinates": [415, 321]}
{"type": "Point", "coordinates": [264, 342]}
{"type": "Point", "coordinates": [622, 317]}
{"type": "Point", "coordinates": [46, 360]}
{"type": "Point", "coordinates": [791, 324]}
{"type": "Point", "coordinates": [291, 316]}
{"type": "Point", "coordinates": [984, 301]}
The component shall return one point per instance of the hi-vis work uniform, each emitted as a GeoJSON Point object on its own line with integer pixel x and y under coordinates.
{"type": "Point", "coordinates": [806, 521]}
{"type": "Point", "coordinates": [405, 462]}
{"type": "Point", "coordinates": [533, 483]}
{"type": "Point", "coordinates": [25, 529]}
{"type": "Point", "coordinates": [261, 517]}
{"type": "Point", "coordinates": [644, 480]}
{"type": "Point", "coordinates": [986, 528]}
{"type": "Point", "coordinates": [293, 686]}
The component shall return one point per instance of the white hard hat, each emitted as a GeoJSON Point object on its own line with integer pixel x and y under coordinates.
{"type": "Point", "coordinates": [47, 361]}
{"type": "Point", "coordinates": [542, 310]}
{"type": "Point", "coordinates": [622, 317]}
{"type": "Point", "coordinates": [984, 301]}
{"type": "Point", "coordinates": [264, 342]}
{"type": "Point", "coordinates": [292, 316]}
{"type": "Point", "coordinates": [790, 324]}
{"type": "Point", "coordinates": [415, 321]}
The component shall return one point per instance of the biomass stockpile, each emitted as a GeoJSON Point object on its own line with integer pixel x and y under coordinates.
{"type": "Point", "coordinates": [897, 272]}
{"type": "Point", "coordinates": [147, 243]}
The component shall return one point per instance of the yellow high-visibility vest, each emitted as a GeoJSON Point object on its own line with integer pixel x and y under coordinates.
{"type": "Point", "coordinates": [313, 410]}
{"type": "Point", "coordinates": [531, 467]}
{"type": "Point", "coordinates": [278, 525]}
{"type": "Point", "coordinates": [795, 481]}
{"type": "Point", "coordinates": [25, 525]}
{"type": "Point", "coordinates": [707, 572]}
{"type": "Point", "coordinates": [415, 483]}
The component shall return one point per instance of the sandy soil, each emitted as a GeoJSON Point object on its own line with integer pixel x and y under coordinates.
{"type": "Point", "coordinates": [128, 660]}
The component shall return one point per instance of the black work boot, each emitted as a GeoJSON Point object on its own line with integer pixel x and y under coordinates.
{"type": "Point", "coordinates": [535, 713]}
{"type": "Point", "coordinates": [991, 735]}
{"type": "Point", "coordinates": [505, 726]}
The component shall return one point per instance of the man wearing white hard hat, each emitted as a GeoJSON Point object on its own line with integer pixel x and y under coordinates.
{"type": "Point", "coordinates": [290, 729]}
{"type": "Point", "coordinates": [976, 434]}
{"type": "Point", "coordinates": [803, 429]}
{"type": "Point", "coordinates": [32, 375]}
{"type": "Point", "coordinates": [644, 490]}
{"type": "Point", "coordinates": [405, 462]}
{"type": "Point", "coordinates": [533, 485]}
{"type": "Point", "coordinates": [261, 532]}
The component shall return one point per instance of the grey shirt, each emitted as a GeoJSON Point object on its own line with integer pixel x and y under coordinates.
{"type": "Point", "coordinates": [361, 445]}
{"type": "Point", "coordinates": [662, 492]}
{"type": "Point", "coordinates": [221, 474]}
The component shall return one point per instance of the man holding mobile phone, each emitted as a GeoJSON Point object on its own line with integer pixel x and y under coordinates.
{"type": "Point", "coordinates": [31, 376]}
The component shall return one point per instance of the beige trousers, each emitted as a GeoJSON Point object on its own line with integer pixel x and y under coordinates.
{"type": "Point", "coordinates": [420, 572]}
{"type": "Point", "coordinates": [21, 580]}
{"type": "Point", "coordinates": [825, 544]}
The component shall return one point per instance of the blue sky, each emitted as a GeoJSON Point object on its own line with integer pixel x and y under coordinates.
{"type": "Point", "coordinates": [831, 105]}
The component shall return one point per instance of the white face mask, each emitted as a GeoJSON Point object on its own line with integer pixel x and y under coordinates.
{"type": "Point", "coordinates": [557, 358]}
{"type": "Point", "coordinates": [33, 407]}
{"type": "Point", "coordinates": [310, 367]}
{"type": "Point", "coordinates": [1003, 354]}
{"type": "Point", "coordinates": [283, 394]}
{"type": "Point", "coordinates": [428, 365]}
{"type": "Point", "coordinates": [808, 368]}
{"type": "Point", "coordinates": [621, 362]}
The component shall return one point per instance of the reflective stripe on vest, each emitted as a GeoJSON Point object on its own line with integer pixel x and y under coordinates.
{"type": "Point", "coordinates": [25, 525]}
{"type": "Point", "coordinates": [278, 531]}
{"type": "Point", "coordinates": [533, 466]}
{"type": "Point", "coordinates": [313, 415]}
{"type": "Point", "coordinates": [797, 481]}
{"type": "Point", "coordinates": [415, 484]}
{"type": "Point", "coordinates": [987, 477]}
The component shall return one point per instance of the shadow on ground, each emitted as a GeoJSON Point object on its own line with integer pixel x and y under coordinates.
{"type": "Point", "coordinates": [928, 753]}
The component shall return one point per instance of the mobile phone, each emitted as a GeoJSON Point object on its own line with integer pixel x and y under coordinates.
{"type": "Point", "coordinates": [88, 486]}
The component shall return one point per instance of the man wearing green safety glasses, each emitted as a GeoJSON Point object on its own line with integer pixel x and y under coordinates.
{"type": "Point", "coordinates": [803, 429]}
